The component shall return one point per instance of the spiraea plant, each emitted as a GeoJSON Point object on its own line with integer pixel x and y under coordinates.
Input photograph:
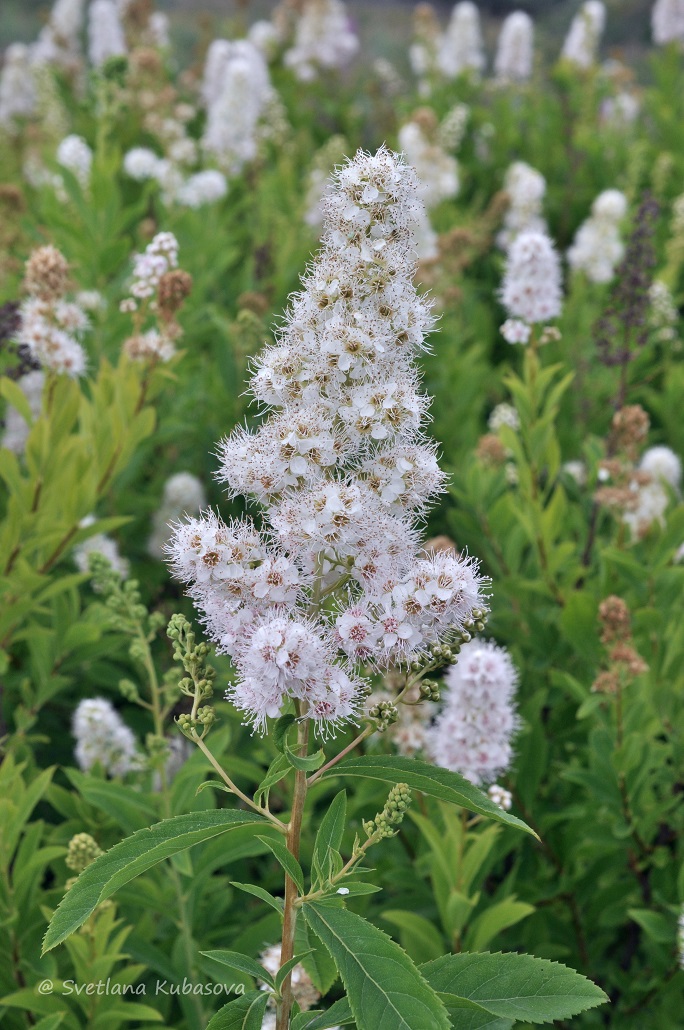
{"type": "Point", "coordinates": [323, 589]}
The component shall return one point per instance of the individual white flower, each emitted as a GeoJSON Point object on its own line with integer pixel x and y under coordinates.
{"type": "Point", "coordinates": [504, 415]}
{"type": "Point", "coordinates": [205, 187]}
{"type": "Point", "coordinates": [582, 41]}
{"type": "Point", "coordinates": [324, 39]}
{"type": "Point", "coordinates": [531, 288]}
{"type": "Point", "coordinates": [667, 22]}
{"type": "Point", "coordinates": [461, 48]}
{"type": "Point", "coordinates": [515, 50]}
{"type": "Point", "coordinates": [105, 32]}
{"type": "Point", "coordinates": [103, 738]}
{"type": "Point", "coordinates": [515, 331]}
{"type": "Point", "coordinates": [18, 95]}
{"type": "Point", "coordinates": [75, 154]}
{"type": "Point", "coordinates": [597, 248]}
{"type": "Point", "coordinates": [17, 429]}
{"type": "Point", "coordinates": [652, 500]}
{"type": "Point", "coordinates": [525, 187]}
{"type": "Point", "coordinates": [663, 465]}
{"type": "Point", "coordinates": [473, 733]}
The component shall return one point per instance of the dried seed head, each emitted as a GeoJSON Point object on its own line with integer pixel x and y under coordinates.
{"type": "Point", "coordinates": [490, 450]}
{"type": "Point", "coordinates": [174, 287]}
{"type": "Point", "coordinates": [615, 619]}
{"type": "Point", "coordinates": [47, 273]}
{"type": "Point", "coordinates": [630, 428]}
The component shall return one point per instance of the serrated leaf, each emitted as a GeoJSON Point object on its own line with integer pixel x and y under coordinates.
{"type": "Point", "coordinates": [286, 968]}
{"type": "Point", "coordinates": [339, 1014]}
{"type": "Point", "coordinates": [287, 861]}
{"type": "Point", "coordinates": [133, 856]}
{"type": "Point", "coordinates": [318, 963]}
{"type": "Point", "coordinates": [515, 986]}
{"type": "Point", "coordinates": [466, 1015]}
{"type": "Point", "coordinates": [245, 964]}
{"type": "Point", "coordinates": [243, 1013]}
{"type": "Point", "coordinates": [429, 779]}
{"type": "Point", "coordinates": [259, 892]}
{"type": "Point", "coordinates": [385, 989]}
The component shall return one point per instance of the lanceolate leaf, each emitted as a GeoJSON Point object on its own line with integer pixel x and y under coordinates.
{"type": "Point", "coordinates": [329, 836]}
{"type": "Point", "coordinates": [287, 861]}
{"type": "Point", "coordinates": [244, 1013]}
{"type": "Point", "coordinates": [431, 780]}
{"type": "Point", "coordinates": [385, 990]}
{"type": "Point", "coordinates": [338, 1014]}
{"type": "Point", "coordinates": [515, 986]}
{"type": "Point", "coordinates": [234, 960]}
{"type": "Point", "coordinates": [134, 856]}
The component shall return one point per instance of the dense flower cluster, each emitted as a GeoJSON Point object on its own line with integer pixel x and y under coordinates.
{"type": "Point", "coordinates": [473, 732]}
{"type": "Point", "coordinates": [17, 85]}
{"type": "Point", "coordinates": [105, 32]}
{"type": "Point", "coordinates": [103, 738]}
{"type": "Point", "coordinates": [342, 469]}
{"type": "Point", "coordinates": [582, 41]}
{"type": "Point", "coordinates": [74, 154]}
{"type": "Point", "coordinates": [525, 188]}
{"type": "Point", "coordinates": [183, 493]}
{"type": "Point", "coordinates": [597, 248]}
{"type": "Point", "coordinates": [158, 289]}
{"type": "Point", "coordinates": [50, 323]}
{"type": "Point", "coordinates": [102, 544]}
{"type": "Point", "coordinates": [236, 90]}
{"type": "Point", "coordinates": [461, 49]}
{"type": "Point", "coordinates": [324, 39]}
{"type": "Point", "coordinates": [531, 289]}
{"type": "Point", "coordinates": [515, 50]}
{"type": "Point", "coordinates": [437, 171]}
{"type": "Point", "coordinates": [667, 22]}
{"type": "Point", "coordinates": [204, 187]}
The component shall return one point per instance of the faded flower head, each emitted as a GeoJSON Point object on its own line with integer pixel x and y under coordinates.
{"type": "Point", "coordinates": [50, 324]}
{"type": "Point", "coordinates": [472, 734]}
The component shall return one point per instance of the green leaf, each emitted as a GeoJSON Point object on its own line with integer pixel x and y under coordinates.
{"type": "Point", "coordinates": [329, 837]}
{"type": "Point", "coordinates": [244, 1013]}
{"type": "Point", "coordinates": [234, 960]}
{"type": "Point", "coordinates": [133, 856]}
{"type": "Point", "coordinates": [307, 763]}
{"type": "Point", "coordinates": [318, 963]}
{"type": "Point", "coordinates": [287, 861]}
{"type": "Point", "coordinates": [338, 1014]}
{"type": "Point", "coordinates": [259, 892]}
{"type": "Point", "coordinates": [50, 1022]}
{"type": "Point", "coordinates": [281, 730]}
{"type": "Point", "coordinates": [495, 919]}
{"type": "Point", "coordinates": [431, 780]}
{"type": "Point", "coordinates": [466, 1015]}
{"type": "Point", "coordinates": [515, 986]}
{"type": "Point", "coordinates": [658, 927]}
{"type": "Point", "coordinates": [278, 768]}
{"type": "Point", "coordinates": [385, 989]}
{"type": "Point", "coordinates": [287, 967]}
{"type": "Point", "coordinates": [419, 937]}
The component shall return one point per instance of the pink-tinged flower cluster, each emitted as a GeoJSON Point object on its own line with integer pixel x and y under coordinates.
{"type": "Point", "coordinates": [333, 581]}
{"type": "Point", "coordinates": [472, 734]}
{"type": "Point", "coordinates": [531, 289]}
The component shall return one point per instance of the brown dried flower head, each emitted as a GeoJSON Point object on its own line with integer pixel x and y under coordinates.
{"type": "Point", "coordinates": [616, 622]}
{"type": "Point", "coordinates": [174, 287]}
{"type": "Point", "coordinates": [144, 62]}
{"type": "Point", "coordinates": [490, 450]}
{"type": "Point", "coordinates": [441, 544]}
{"type": "Point", "coordinates": [625, 655]}
{"type": "Point", "coordinates": [47, 273]}
{"type": "Point", "coordinates": [607, 682]}
{"type": "Point", "coordinates": [426, 119]}
{"type": "Point", "coordinates": [11, 197]}
{"type": "Point", "coordinates": [629, 429]}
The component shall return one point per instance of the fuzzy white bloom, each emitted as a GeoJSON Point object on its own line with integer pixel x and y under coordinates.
{"type": "Point", "coordinates": [91, 300]}
{"type": "Point", "coordinates": [141, 163]}
{"type": "Point", "coordinates": [74, 154]}
{"type": "Point", "coordinates": [66, 21]}
{"type": "Point", "coordinates": [531, 288]}
{"type": "Point", "coordinates": [17, 85]}
{"type": "Point", "coordinates": [159, 257]}
{"type": "Point", "coordinates": [663, 465]}
{"type": "Point", "coordinates": [183, 493]}
{"type": "Point", "coordinates": [103, 738]}
{"type": "Point", "coordinates": [515, 331]}
{"type": "Point", "coordinates": [667, 22]}
{"type": "Point", "coordinates": [330, 154]}
{"type": "Point", "coordinates": [500, 796]}
{"type": "Point", "coordinates": [265, 37]}
{"type": "Point", "coordinates": [437, 171]}
{"type": "Point", "coordinates": [343, 472]}
{"type": "Point", "coordinates": [324, 39]}
{"type": "Point", "coordinates": [525, 187]}
{"type": "Point", "coordinates": [59, 41]}
{"type": "Point", "coordinates": [453, 126]}
{"type": "Point", "coordinates": [597, 248]}
{"type": "Point", "coordinates": [652, 500]}
{"type": "Point", "coordinates": [105, 32]}
{"type": "Point", "coordinates": [515, 50]}
{"type": "Point", "coordinates": [51, 328]}
{"type": "Point", "coordinates": [504, 415]}
{"type": "Point", "coordinates": [16, 428]}
{"type": "Point", "coordinates": [582, 41]}
{"type": "Point", "coordinates": [461, 49]}
{"type": "Point", "coordinates": [663, 315]}
{"type": "Point", "coordinates": [158, 29]}
{"type": "Point", "coordinates": [205, 187]}
{"type": "Point", "coordinates": [472, 734]}
{"type": "Point", "coordinates": [237, 90]}
{"type": "Point", "coordinates": [427, 240]}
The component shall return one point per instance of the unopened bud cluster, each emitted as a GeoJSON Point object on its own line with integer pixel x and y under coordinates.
{"type": "Point", "coordinates": [386, 823]}
{"type": "Point", "coordinates": [81, 851]}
